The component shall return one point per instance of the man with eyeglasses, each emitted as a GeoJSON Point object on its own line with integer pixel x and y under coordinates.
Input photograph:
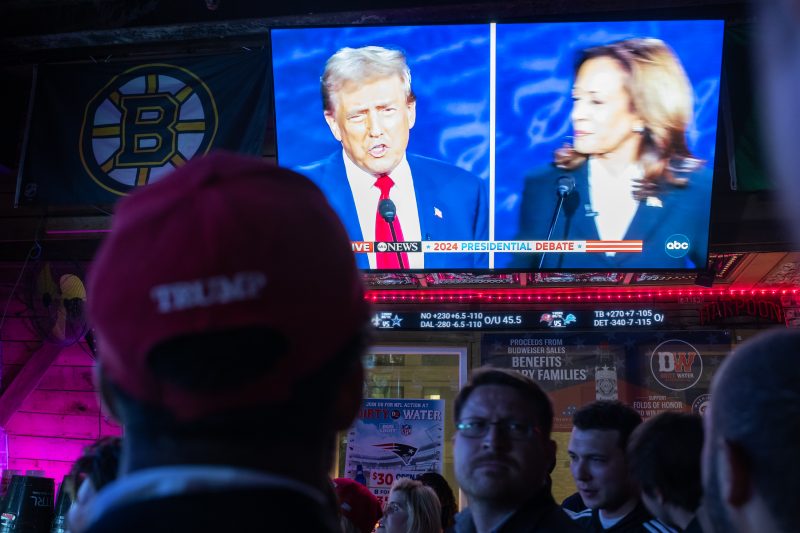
{"type": "Point", "coordinates": [503, 456]}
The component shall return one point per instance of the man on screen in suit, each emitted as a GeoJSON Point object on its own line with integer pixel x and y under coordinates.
{"type": "Point", "coordinates": [370, 108]}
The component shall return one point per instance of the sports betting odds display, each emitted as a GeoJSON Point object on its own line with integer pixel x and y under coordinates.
{"type": "Point", "coordinates": [472, 145]}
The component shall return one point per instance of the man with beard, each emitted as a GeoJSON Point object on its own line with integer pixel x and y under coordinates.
{"type": "Point", "coordinates": [503, 455]}
{"type": "Point", "coordinates": [751, 465]}
{"type": "Point", "coordinates": [599, 465]}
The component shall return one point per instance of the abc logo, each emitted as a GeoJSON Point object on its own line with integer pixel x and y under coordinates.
{"type": "Point", "coordinates": [677, 245]}
{"type": "Point", "coordinates": [382, 246]}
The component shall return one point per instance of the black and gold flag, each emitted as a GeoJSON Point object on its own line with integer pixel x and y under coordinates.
{"type": "Point", "coordinates": [99, 130]}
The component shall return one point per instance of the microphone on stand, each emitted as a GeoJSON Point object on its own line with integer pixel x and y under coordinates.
{"type": "Point", "coordinates": [388, 212]}
{"type": "Point", "coordinates": [564, 187]}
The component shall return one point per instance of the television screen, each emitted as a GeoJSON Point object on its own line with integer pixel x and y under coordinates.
{"type": "Point", "coordinates": [525, 146]}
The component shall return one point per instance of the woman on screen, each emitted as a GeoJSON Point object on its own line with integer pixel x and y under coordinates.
{"type": "Point", "coordinates": [629, 174]}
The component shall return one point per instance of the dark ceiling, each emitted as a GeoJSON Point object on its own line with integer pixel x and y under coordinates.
{"type": "Point", "coordinates": [745, 230]}
{"type": "Point", "coordinates": [38, 28]}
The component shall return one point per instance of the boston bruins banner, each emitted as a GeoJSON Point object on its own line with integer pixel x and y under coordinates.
{"type": "Point", "coordinates": [99, 130]}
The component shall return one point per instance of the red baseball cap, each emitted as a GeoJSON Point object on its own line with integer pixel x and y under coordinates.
{"type": "Point", "coordinates": [225, 241]}
{"type": "Point", "coordinates": [358, 504]}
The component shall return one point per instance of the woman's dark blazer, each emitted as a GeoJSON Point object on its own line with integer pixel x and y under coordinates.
{"type": "Point", "coordinates": [684, 212]}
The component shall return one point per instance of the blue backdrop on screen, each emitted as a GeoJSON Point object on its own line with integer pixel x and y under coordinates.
{"type": "Point", "coordinates": [449, 75]}
{"type": "Point", "coordinates": [534, 95]}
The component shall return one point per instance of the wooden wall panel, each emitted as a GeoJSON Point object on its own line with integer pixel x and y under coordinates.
{"type": "Point", "coordinates": [48, 447]}
{"type": "Point", "coordinates": [68, 378]}
{"type": "Point", "coordinates": [17, 352]}
{"type": "Point", "coordinates": [61, 416]}
{"type": "Point", "coordinates": [54, 469]}
{"type": "Point", "coordinates": [60, 402]}
{"type": "Point", "coordinates": [17, 328]}
{"type": "Point", "coordinates": [77, 354]}
{"type": "Point", "coordinates": [45, 425]}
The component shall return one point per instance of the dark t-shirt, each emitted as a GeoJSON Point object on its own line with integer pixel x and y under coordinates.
{"type": "Point", "coordinates": [573, 503]}
{"type": "Point", "coordinates": [694, 526]}
{"type": "Point", "coordinates": [637, 521]}
{"type": "Point", "coordinates": [541, 514]}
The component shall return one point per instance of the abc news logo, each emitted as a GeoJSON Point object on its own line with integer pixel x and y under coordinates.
{"type": "Point", "coordinates": [407, 246]}
{"type": "Point", "coordinates": [370, 247]}
{"type": "Point", "coordinates": [677, 245]}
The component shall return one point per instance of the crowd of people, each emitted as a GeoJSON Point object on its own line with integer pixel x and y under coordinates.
{"type": "Point", "coordinates": [231, 406]}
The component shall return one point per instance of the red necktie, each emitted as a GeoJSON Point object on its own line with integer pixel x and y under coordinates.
{"type": "Point", "coordinates": [383, 233]}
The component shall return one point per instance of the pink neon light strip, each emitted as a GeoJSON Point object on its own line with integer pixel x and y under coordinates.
{"type": "Point", "coordinates": [549, 295]}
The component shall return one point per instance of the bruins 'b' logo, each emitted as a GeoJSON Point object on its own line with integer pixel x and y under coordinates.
{"type": "Point", "coordinates": [144, 123]}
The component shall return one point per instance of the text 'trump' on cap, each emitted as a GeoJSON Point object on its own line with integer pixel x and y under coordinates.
{"type": "Point", "coordinates": [225, 241]}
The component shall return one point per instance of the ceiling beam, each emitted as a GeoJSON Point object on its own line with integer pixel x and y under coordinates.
{"type": "Point", "coordinates": [40, 25]}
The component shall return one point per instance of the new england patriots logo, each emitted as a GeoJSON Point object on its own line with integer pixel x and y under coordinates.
{"type": "Point", "coordinates": [403, 451]}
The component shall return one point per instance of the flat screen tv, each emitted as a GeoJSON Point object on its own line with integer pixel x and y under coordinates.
{"type": "Point", "coordinates": [569, 146]}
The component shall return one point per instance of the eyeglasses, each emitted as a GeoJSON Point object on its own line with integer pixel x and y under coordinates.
{"type": "Point", "coordinates": [477, 428]}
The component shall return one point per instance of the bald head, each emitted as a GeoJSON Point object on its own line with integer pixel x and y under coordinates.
{"type": "Point", "coordinates": [754, 406]}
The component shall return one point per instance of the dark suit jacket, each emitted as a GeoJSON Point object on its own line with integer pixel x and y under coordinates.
{"type": "Point", "coordinates": [685, 211]}
{"type": "Point", "coordinates": [541, 514]}
{"type": "Point", "coordinates": [452, 204]}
